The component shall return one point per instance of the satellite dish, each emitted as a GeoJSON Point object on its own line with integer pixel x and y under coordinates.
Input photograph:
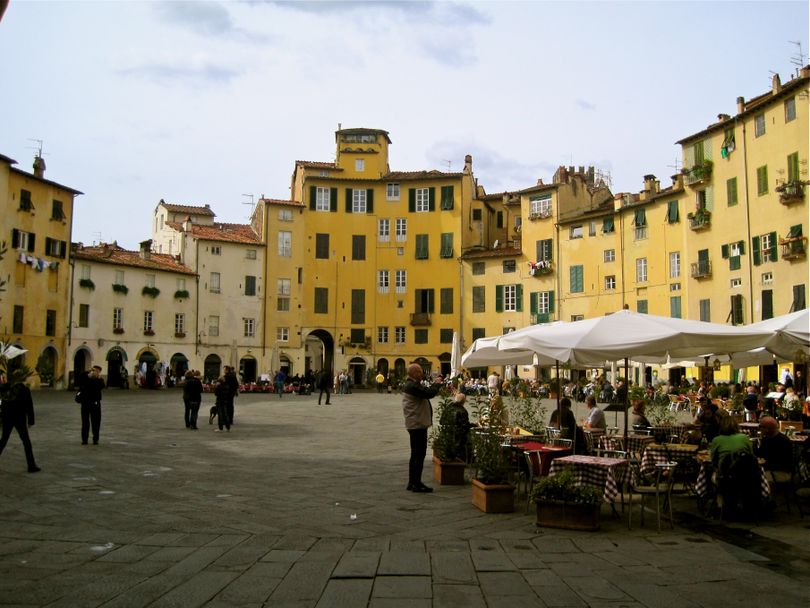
{"type": "Point", "coordinates": [495, 244]}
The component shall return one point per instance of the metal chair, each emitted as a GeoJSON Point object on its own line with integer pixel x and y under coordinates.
{"type": "Point", "coordinates": [553, 432]}
{"type": "Point", "coordinates": [560, 443]}
{"type": "Point", "coordinates": [659, 487]}
{"type": "Point", "coordinates": [534, 468]}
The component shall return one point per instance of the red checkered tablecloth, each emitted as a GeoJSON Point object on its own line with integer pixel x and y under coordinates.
{"type": "Point", "coordinates": [703, 482]}
{"type": "Point", "coordinates": [609, 474]}
{"type": "Point", "coordinates": [657, 453]}
{"type": "Point", "coordinates": [547, 453]}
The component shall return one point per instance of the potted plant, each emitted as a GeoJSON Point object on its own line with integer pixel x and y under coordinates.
{"type": "Point", "coordinates": [119, 288]}
{"type": "Point", "coordinates": [449, 441]}
{"type": "Point", "coordinates": [562, 503]}
{"type": "Point", "coordinates": [152, 292]}
{"type": "Point", "coordinates": [87, 284]}
{"type": "Point", "coordinates": [527, 411]}
{"type": "Point", "coordinates": [180, 294]}
{"type": "Point", "coordinates": [491, 490]}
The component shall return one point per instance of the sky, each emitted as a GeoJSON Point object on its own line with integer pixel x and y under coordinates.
{"type": "Point", "coordinates": [213, 102]}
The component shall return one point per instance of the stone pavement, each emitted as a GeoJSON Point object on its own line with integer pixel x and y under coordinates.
{"type": "Point", "coordinates": [304, 505]}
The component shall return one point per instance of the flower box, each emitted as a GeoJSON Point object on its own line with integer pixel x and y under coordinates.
{"type": "Point", "coordinates": [568, 515]}
{"type": "Point", "coordinates": [179, 334]}
{"type": "Point", "coordinates": [449, 473]}
{"type": "Point", "coordinates": [493, 498]}
{"type": "Point", "coordinates": [118, 330]}
{"type": "Point", "coordinates": [148, 332]}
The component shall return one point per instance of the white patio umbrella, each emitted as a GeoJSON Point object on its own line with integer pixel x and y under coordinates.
{"type": "Point", "coordinates": [455, 356]}
{"type": "Point", "coordinates": [791, 333]}
{"type": "Point", "coordinates": [9, 351]}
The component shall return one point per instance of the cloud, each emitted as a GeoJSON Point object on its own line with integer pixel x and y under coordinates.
{"type": "Point", "coordinates": [167, 74]}
{"type": "Point", "coordinates": [205, 19]}
{"type": "Point", "coordinates": [585, 105]}
{"type": "Point", "coordinates": [444, 13]}
{"type": "Point", "coordinates": [450, 53]}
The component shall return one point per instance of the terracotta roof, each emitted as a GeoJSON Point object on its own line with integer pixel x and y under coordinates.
{"type": "Point", "coordinates": [501, 252]}
{"type": "Point", "coordinates": [220, 231]}
{"type": "Point", "coordinates": [538, 188]}
{"type": "Point", "coordinates": [113, 254]}
{"type": "Point", "coordinates": [43, 180]}
{"type": "Point", "coordinates": [191, 209]}
{"type": "Point", "coordinates": [313, 164]}
{"type": "Point", "coordinates": [276, 201]}
{"type": "Point", "coordinates": [407, 175]}
{"type": "Point", "coordinates": [361, 131]}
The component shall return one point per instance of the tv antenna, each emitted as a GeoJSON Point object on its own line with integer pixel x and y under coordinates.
{"type": "Point", "coordinates": [38, 147]}
{"type": "Point", "coordinates": [677, 165]}
{"type": "Point", "coordinates": [251, 203]}
{"type": "Point", "coordinates": [449, 164]}
{"type": "Point", "coordinates": [96, 234]}
{"type": "Point", "coordinates": [798, 58]}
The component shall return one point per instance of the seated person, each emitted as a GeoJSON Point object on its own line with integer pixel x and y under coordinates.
{"type": "Point", "coordinates": [460, 422]}
{"type": "Point", "coordinates": [596, 417]}
{"type": "Point", "coordinates": [736, 472]}
{"type": "Point", "coordinates": [637, 417]}
{"type": "Point", "coordinates": [708, 419]}
{"type": "Point", "coordinates": [729, 441]}
{"type": "Point", "coordinates": [568, 426]}
{"type": "Point", "coordinates": [792, 405]}
{"type": "Point", "coordinates": [776, 449]}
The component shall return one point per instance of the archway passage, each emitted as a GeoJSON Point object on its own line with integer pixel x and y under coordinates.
{"type": "Point", "coordinates": [147, 361]}
{"type": "Point", "coordinates": [382, 366]}
{"type": "Point", "coordinates": [212, 368]}
{"type": "Point", "coordinates": [81, 360]}
{"type": "Point", "coordinates": [117, 367]}
{"type": "Point", "coordinates": [322, 346]}
{"type": "Point", "coordinates": [285, 365]}
{"type": "Point", "coordinates": [444, 364]}
{"type": "Point", "coordinates": [46, 366]}
{"type": "Point", "coordinates": [248, 369]}
{"type": "Point", "coordinates": [178, 366]}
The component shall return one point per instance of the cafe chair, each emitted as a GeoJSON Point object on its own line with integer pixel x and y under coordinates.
{"type": "Point", "coordinates": [614, 454]}
{"type": "Point", "coordinates": [737, 482]}
{"type": "Point", "coordinates": [534, 469]}
{"type": "Point", "coordinates": [552, 432]}
{"type": "Point", "coordinates": [659, 487]}
{"type": "Point", "coordinates": [561, 443]}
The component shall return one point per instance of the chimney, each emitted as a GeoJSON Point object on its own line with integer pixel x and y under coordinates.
{"type": "Point", "coordinates": [187, 224]}
{"type": "Point", "coordinates": [146, 249]}
{"type": "Point", "coordinates": [805, 72]}
{"type": "Point", "coordinates": [722, 117]}
{"type": "Point", "coordinates": [468, 164]}
{"type": "Point", "coordinates": [777, 84]}
{"type": "Point", "coordinates": [39, 167]}
{"type": "Point", "coordinates": [651, 184]}
{"type": "Point", "coordinates": [740, 104]}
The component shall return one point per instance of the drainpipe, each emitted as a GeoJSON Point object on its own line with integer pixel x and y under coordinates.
{"type": "Point", "coordinates": [197, 297]}
{"type": "Point", "coordinates": [72, 263]}
{"type": "Point", "coordinates": [748, 223]}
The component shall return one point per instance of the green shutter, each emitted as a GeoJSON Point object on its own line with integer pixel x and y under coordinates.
{"type": "Point", "coordinates": [793, 167]}
{"type": "Point", "coordinates": [734, 262]}
{"type": "Point", "coordinates": [709, 198]}
{"type": "Point", "coordinates": [607, 225]}
{"type": "Point", "coordinates": [773, 255]}
{"type": "Point", "coordinates": [533, 302]}
{"type": "Point", "coordinates": [795, 231]}
{"type": "Point", "coordinates": [447, 197]}
{"type": "Point", "coordinates": [550, 302]}
{"type": "Point", "coordinates": [499, 298]}
{"type": "Point", "coordinates": [348, 200]}
{"type": "Point", "coordinates": [412, 200]}
{"type": "Point", "coordinates": [741, 245]}
{"type": "Point", "coordinates": [640, 218]}
{"type": "Point", "coordinates": [313, 194]}
{"type": "Point", "coordinates": [519, 297]}
{"type": "Point", "coordinates": [724, 251]}
{"type": "Point", "coordinates": [369, 201]}
{"type": "Point", "coordinates": [431, 199]}
{"type": "Point", "coordinates": [755, 251]}
{"type": "Point", "coordinates": [731, 191]}
{"type": "Point", "coordinates": [672, 212]}
{"type": "Point", "coordinates": [333, 196]}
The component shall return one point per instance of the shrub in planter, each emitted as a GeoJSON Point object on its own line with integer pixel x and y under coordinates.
{"type": "Point", "coordinates": [87, 284]}
{"type": "Point", "coordinates": [491, 490]}
{"type": "Point", "coordinates": [180, 294]}
{"type": "Point", "coordinates": [118, 288]}
{"type": "Point", "coordinates": [449, 439]}
{"type": "Point", "coordinates": [562, 503]}
{"type": "Point", "coordinates": [152, 292]}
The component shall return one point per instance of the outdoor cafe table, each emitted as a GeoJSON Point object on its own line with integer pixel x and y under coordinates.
{"type": "Point", "coordinates": [607, 474]}
{"type": "Point", "coordinates": [547, 452]}
{"type": "Point", "coordinates": [669, 430]}
{"type": "Point", "coordinates": [750, 428]}
{"type": "Point", "coordinates": [635, 444]}
{"type": "Point", "coordinates": [704, 483]}
{"type": "Point", "coordinates": [592, 436]}
{"type": "Point", "coordinates": [659, 453]}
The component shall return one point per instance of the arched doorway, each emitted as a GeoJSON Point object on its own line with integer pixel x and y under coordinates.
{"type": "Point", "coordinates": [400, 369]}
{"type": "Point", "coordinates": [444, 364]}
{"type": "Point", "coordinates": [212, 368]}
{"type": "Point", "coordinates": [247, 369]}
{"type": "Point", "coordinates": [425, 365]}
{"type": "Point", "coordinates": [46, 366]}
{"type": "Point", "coordinates": [178, 366]}
{"type": "Point", "coordinates": [382, 366]}
{"type": "Point", "coordinates": [357, 368]}
{"type": "Point", "coordinates": [321, 350]}
{"type": "Point", "coordinates": [147, 369]}
{"type": "Point", "coordinates": [117, 367]}
{"type": "Point", "coordinates": [81, 363]}
{"type": "Point", "coordinates": [285, 365]}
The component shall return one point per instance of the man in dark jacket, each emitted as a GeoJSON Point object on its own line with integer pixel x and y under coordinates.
{"type": "Point", "coordinates": [90, 396]}
{"type": "Point", "coordinates": [324, 383]}
{"type": "Point", "coordinates": [17, 410]}
{"type": "Point", "coordinates": [232, 383]}
{"type": "Point", "coordinates": [418, 418]}
{"type": "Point", "coordinates": [192, 397]}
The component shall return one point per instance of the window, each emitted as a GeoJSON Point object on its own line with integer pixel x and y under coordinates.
{"type": "Point", "coordinates": [179, 323]}
{"type": "Point", "coordinates": [285, 215]}
{"type": "Point", "coordinates": [285, 244]}
{"type": "Point", "coordinates": [24, 240]}
{"type": "Point", "coordinates": [767, 278]}
{"type": "Point", "coordinates": [382, 334]}
{"type": "Point", "coordinates": [576, 279]}
{"type": "Point", "coordinates": [422, 247]}
{"type": "Point", "coordinates": [763, 248]}
{"type": "Point", "coordinates": [446, 249]}
{"type": "Point", "coordinates": [447, 198]}
{"type": "Point", "coordinates": [215, 249]}
{"type": "Point", "coordinates": [478, 332]}
{"type": "Point", "coordinates": [705, 307]}
{"type": "Point", "coordinates": [213, 285]}
{"type": "Point", "coordinates": [610, 283]}
{"type": "Point", "coordinates": [508, 298]}
{"type": "Point", "coordinates": [249, 326]}
{"type": "Point", "coordinates": [767, 304]}
{"type": "Point", "coordinates": [282, 334]}
{"type": "Point", "coordinates": [733, 251]}
{"type": "Point", "coordinates": [476, 215]}
{"type": "Point", "coordinates": [213, 326]}
{"type": "Point", "coordinates": [84, 315]}
{"type": "Point", "coordinates": [540, 207]}
{"type": "Point", "coordinates": [283, 287]}
{"type": "Point", "coordinates": [401, 229]}
{"type": "Point", "coordinates": [250, 254]}
{"type": "Point", "coordinates": [119, 277]}
{"type": "Point", "coordinates": [358, 247]}
{"type": "Point", "coordinates": [731, 191]}
{"type": "Point", "coordinates": [728, 145]}
{"type": "Point", "coordinates": [57, 210]}
{"type": "Point", "coordinates": [592, 229]}
{"type": "Point", "coordinates": [799, 300]}
{"type": "Point", "coordinates": [642, 306]}
{"type": "Point", "coordinates": [118, 318]}
{"type": "Point", "coordinates": [576, 232]}
{"type": "Point", "coordinates": [180, 284]}
{"type": "Point", "coordinates": [737, 314]}
{"type": "Point", "coordinates": [610, 255]}
{"type": "Point", "coordinates": [759, 125]}
{"type": "Point", "coordinates": [446, 301]}
{"type": "Point", "coordinates": [641, 270]}
{"type": "Point", "coordinates": [382, 281]}
{"type": "Point", "coordinates": [543, 250]}
{"type": "Point", "coordinates": [674, 264]}
{"type": "Point", "coordinates": [55, 248]}
{"type": "Point", "coordinates": [392, 192]}
{"type": "Point", "coordinates": [148, 320]}
{"type": "Point", "coordinates": [359, 165]}
{"type": "Point", "coordinates": [793, 167]}
{"type": "Point", "coordinates": [250, 286]}
{"type": "Point", "coordinates": [84, 271]}
{"type": "Point", "coordinates": [357, 336]}
{"type": "Point", "coordinates": [384, 230]}
{"type": "Point", "coordinates": [422, 199]}
{"type": "Point", "coordinates": [400, 281]}
{"type": "Point", "coordinates": [790, 109]}
{"type": "Point", "coordinates": [321, 300]}
{"type": "Point", "coordinates": [735, 283]}
{"type": "Point", "coordinates": [50, 322]}
{"type": "Point", "coordinates": [149, 280]}
{"type": "Point", "coordinates": [509, 266]}
{"type": "Point", "coordinates": [499, 219]}
{"type": "Point", "coordinates": [446, 336]}
{"type": "Point", "coordinates": [358, 200]}
{"type": "Point", "coordinates": [322, 246]}
{"type": "Point", "coordinates": [541, 303]}
{"type": "Point", "coordinates": [282, 304]}
{"type": "Point", "coordinates": [323, 198]}
{"type": "Point", "coordinates": [607, 225]}
{"type": "Point", "coordinates": [17, 325]}
{"type": "Point", "coordinates": [640, 223]}
{"type": "Point", "coordinates": [424, 301]}
{"type": "Point", "coordinates": [399, 335]}
{"type": "Point", "coordinates": [25, 201]}
{"type": "Point", "coordinates": [479, 298]}
{"type": "Point", "coordinates": [674, 286]}
{"type": "Point", "coordinates": [420, 336]}
{"type": "Point", "coordinates": [479, 268]}
{"type": "Point", "coordinates": [673, 216]}
{"type": "Point", "coordinates": [762, 180]}
{"type": "Point", "coordinates": [675, 307]}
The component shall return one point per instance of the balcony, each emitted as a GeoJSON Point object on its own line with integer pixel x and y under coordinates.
{"type": "Point", "coordinates": [541, 268]}
{"type": "Point", "coordinates": [540, 215]}
{"type": "Point", "coordinates": [698, 173]}
{"type": "Point", "coordinates": [793, 248]}
{"type": "Point", "coordinates": [420, 319]}
{"type": "Point", "coordinates": [791, 192]}
{"type": "Point", "coordinates": [702, 270]}
{"type": "Point", "coordinates": [700, 220]}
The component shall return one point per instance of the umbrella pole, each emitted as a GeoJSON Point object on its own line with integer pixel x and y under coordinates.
{"type": "Point", "coordinates": [626, 397]}
{"type": "Point", "coordinates": [559, 390]}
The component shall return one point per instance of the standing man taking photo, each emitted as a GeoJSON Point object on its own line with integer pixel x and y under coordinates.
{"type": "Point", "coordinates": [90, 395]}
{"type": "Point", "coordinates": [418, 418]}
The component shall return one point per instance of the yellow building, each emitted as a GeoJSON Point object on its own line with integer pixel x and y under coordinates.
{"type": "Point", "coordinates": [36, 220]}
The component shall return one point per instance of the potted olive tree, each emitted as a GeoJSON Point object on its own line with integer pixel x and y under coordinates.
{"type": "Point", "coordinates": [562, 503]}
{"type": "Point", "coordinates": [449, 441]}
{"type": "Point", "coordinates": [491, 490]}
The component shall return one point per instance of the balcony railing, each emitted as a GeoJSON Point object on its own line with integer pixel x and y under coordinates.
{"type": "Point", "coordinates": [540, 215]}
{"type": "Point", "coordinates": [702, 269]}
{"type": "Point", "coordinates": [420, 319]}
{"type": "Point", "coordinates": [700, 220]}
{"type": "Point", "coordinates": [698, 173]}
{"type": "Point", "coordinates": [791, 192]}
{"type": "Point", "coordinates": [541, 268]}
{"type": "Point", "coordinates": [793, 248]}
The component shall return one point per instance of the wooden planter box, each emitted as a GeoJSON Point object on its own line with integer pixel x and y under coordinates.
{"type": "Point", "coordinates": [496, 498]}
{"type": "Point", "coordinates": [568, 516]}
{"type": "Point", "coordinates": [449, 473]}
